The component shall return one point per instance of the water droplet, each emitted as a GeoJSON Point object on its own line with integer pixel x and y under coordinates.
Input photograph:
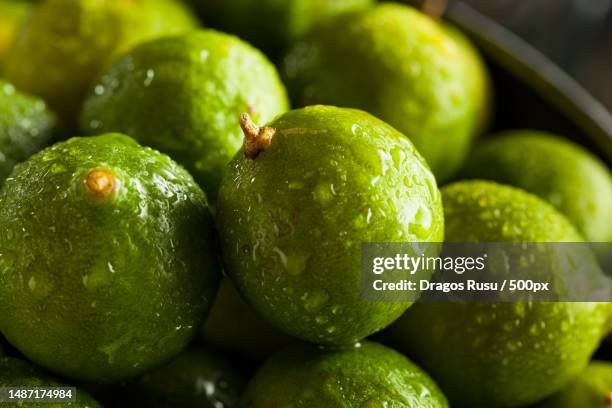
{"type": "Point", "coordinates": [322, 194]}
{"type": "Point", "coordinates": [399, 155]}
{"type": "Point", "coordinates": [565, 326]}
{"type": "Point", "coordinates": [295, 262]}
{"type": "Point", "coordinates": [150, 75]}
{"type": "Point", "coordinates": [385, 160]}
{"type": "Point", "coordinates": [321, 319]}
{"type": "Point", "coordinates": [57, 168]}
{"type": "Point", "coordinates": [315, 300]}
{"type": "Point", "coordinates": [204, 55]}
{"type": "Point", "coordinates": [295, 185]}
{"type": "Point", "coordinates": [99, 89]}
{"type": "Point", "coordinates": [423, 217]}
{"type": "Point", "coordinates": [281, 255]}
{"type": "Point", "coordinates": [8, 89]}
{"type": "Point", "coordinates": [32, 283]}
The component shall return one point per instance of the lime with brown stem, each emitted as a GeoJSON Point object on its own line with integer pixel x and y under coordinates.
{"type": "Point", "coordinates": [108, 258]}
{"type": "Point", "coordinates": [298, 201]}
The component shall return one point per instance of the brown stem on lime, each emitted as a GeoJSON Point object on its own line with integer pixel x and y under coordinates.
{"type": "Point", "coordinates": [256, 139]}
{"type": "Point", "coordinates": [100, 184]}
{"type": "Point", "coordinates": [434, 8]}
{"type": "Point", "coordinates": [608, 399]}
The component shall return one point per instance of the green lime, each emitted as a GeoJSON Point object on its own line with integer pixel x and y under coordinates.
{"type": "Point", "coordinates": [183, 96]}
{"type": "Point", "coordinates": [572, 179]}
{"type": "Point", "coordinates": [403, 67]}
{"type": "Point", "coordinates": [21, 374]}
{"type": "Point", "coordinates": [366, 375]}
{"type": "Point", "coordinates": [65, 43]}
{"type": "Point", "coordinates": [297, 203]}
{"type": "Point", "coordinates": [108, 261]}
{"type": "Point", "coordinates": [26, 126]}
{"type": "Point", "coordinates": [491, 354]}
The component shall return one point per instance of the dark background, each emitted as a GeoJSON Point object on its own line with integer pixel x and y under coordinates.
{"type": "Point", "coordinates": [576, 34]}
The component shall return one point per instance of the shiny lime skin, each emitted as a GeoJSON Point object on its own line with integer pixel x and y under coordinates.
{"type": "Point", "coordinates": [292, 220]}
{"type": "Point", "coordinates": [572, 179]}
{"type": "Point", "coordinates": [12, 15]}
{"type": "Point", "coordinates": [26, 126]}
{"type": "Point", "coordinates": [102, 289]}
{"type": "Point", "coordinates": [591, 389]}
{"type": "Point", "coordinates": [402, 67]}
{"type": "Point", "coordinates": [19, 373]}
{"type": "Point", "coordinates": [196, 378]}
{"type": "Point", "coordinates": [234, 326]}
{"type": "Point", "coordinates": [501, 354]}
{"type": "Point", "coordinates": [65, 43]}
{"type": "Point", "coordinates": [184, 96]}
{"type": "Point", "coordinates": [365, 375]}
{"type": "Point", "coordinates": [272, 25]}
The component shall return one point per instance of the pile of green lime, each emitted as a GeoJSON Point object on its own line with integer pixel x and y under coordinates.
{"type": "Point", "coordinates": [173, 235]}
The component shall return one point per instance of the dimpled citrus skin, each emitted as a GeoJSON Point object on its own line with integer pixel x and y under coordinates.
{"type": "Point", "coordinates": [26, 126]}
{"type": "Point", "coordinates": [402, 67]}
{"type": "Point", "coordinates": [103, 287]}
{"type": "Point", "coordinates": [500, 354]}
{"type": "Point", "coordinates": [365, 375]}
{"type": "Point", "coordinates": [292, 220]}
{"type": "Point", "coordinates": [18, 373]}
{"type": "Point", "coordinates": [572, 179]}
{"type": "Point", "coordinates": [12, 15]}
{"type": "Point", "coordinates": [73, 39]}
{"type": "Point", "coordinates": [195, 378]}
{"type": "Point", "coordinates": [184, 96]}
{"type": "Point", "coordinates": [591, 389]}
{"type": "Point", "coordinates": [272, 25]}
{"type": "Point", "coordinates": [233, 325]}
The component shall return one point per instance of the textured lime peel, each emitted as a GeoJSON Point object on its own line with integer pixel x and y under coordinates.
{"type": "Point", "coordinates": [100, 184]}
{"type": "Point", "coordinates": [256, 139]}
